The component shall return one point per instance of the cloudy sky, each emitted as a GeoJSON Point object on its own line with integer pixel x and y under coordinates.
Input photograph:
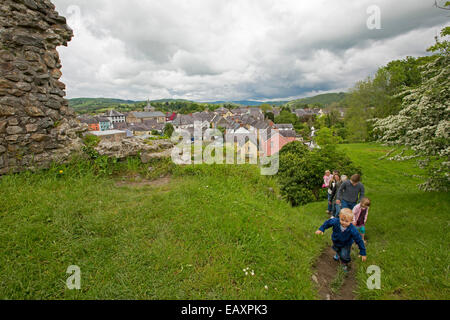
{"type": "Point", "coordinates": [208, 50]}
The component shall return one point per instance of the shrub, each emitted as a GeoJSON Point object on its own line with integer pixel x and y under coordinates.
{"type": "Point", "coordinates": [301, 171]}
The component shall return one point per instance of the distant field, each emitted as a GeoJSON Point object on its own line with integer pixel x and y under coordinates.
{"type": "Point", "coordinates": [191, 236]}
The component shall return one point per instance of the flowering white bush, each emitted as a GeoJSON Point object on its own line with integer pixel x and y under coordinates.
{"type": "Point", "coordinates": [423, 124]}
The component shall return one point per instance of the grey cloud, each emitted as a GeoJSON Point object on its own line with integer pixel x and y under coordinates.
{"type": "Point", "coordinates": [237, 49]}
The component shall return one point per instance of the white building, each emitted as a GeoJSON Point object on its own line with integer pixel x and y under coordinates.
{"type": "Point", "coordinates": [115, 117]}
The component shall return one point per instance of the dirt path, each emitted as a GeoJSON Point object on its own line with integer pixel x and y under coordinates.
{"type": "Point", "coordinates": [142, 183]}
{"type": "Point", "coordinates": [326, 271]}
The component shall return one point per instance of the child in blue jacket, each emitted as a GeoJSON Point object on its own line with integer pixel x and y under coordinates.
{"type": "Point", "coordinates": [344, 234]}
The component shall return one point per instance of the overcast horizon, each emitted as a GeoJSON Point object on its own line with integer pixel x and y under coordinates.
{"type": "Point", "coordinates": [259, 50]}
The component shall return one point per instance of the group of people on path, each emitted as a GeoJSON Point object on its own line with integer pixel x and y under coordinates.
{"type": "Point", "coordinates": [348, 208]}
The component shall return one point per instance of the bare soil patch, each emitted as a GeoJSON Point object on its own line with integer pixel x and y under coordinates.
{"type": "Point", "coordinates": [326, 271]}
{"type": "Point", "coordinates": [138, 183]}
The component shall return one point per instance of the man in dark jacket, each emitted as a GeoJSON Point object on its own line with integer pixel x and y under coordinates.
{"type": "Point", "coordinates": [350, 192]}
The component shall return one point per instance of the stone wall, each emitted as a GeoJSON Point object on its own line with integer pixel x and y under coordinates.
{"type": "Point", "coordinates": [36, 124]}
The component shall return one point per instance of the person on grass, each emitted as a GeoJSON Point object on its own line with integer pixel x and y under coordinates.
{"type": "Point", "coordinates": [360, 213]}
{"type": "Point", "coordinates": [327, 179]}
{"type": "Point", "coordinates": [331, 186]}
{"type": "Point", "coordinates": [336, 184]}
{"type": "Point", "coordinates": [350, 192]}
{"type": "Point", "coordinates": [344, 234]}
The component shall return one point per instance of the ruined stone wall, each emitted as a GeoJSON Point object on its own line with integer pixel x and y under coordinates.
{"type": "Point", "coordinates": [36, 124]}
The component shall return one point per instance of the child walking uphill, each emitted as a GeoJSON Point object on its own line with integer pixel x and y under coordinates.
{"type": "Point", "coordinates": [360, 213]}
{"type": "Point", "coordinates": [326, 179]}
{"type": "Point", "coordinates": [344, 234]}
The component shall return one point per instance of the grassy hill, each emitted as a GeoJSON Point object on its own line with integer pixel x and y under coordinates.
{"type": "Point", "coordinates": [250, 103]}
{"type": "Point", "coordinates": [96, 105]}
{"type": "Point", "coordinates": [324, 100]}
{"type": "Point", "coordinates": [191, 237]}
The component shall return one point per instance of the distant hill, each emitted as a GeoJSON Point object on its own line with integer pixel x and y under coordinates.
{"type": "Point", "coordinates": [323, 100]}
{"type": "Point", "coordinates": [97, 105]}
{"type": "Point", "coordinates": [249, 103]}
{"type": "Point", "coordinates": [97, 101]}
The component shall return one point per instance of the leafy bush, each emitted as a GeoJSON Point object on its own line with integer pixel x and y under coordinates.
{"type": "Point", "coordinates": [91, 140]}
{"type": "Point", "coordinates": [301, 171]}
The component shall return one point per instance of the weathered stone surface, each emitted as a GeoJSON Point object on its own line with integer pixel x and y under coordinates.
{"type": "Point", "coordinates": [31, 96]}
{"type": "Point", "coordinates": [147, 157]}
{"type": "Point", "coordinates": [12, 102]}
{"type": "Point", "coordinates": [14, 130]}
{"type": "Point", "coordinates": [49, 59]}
{"type": "Point", "coordinates": [31, 56]}
{"type": "Point", "coordinates": [13, 77]}
{"type": "Point", "coordinates": [23, 86]}
{"type": "Point", "coordinates": [13, 122]}
{"type": "Point", "coordinates": [56, 73]}
{"type": "Point", "coordinates": [54, 104]}
{"type": "Point", "coordinates": [36, 148]}
{"type": "Point", "coordinates": [12, 138]}
{"type": "Point", "coordinates": [135, 146]}
{"type": "Point", "coordinates": [45, 123]}
{"type": "Point", "coordinates": [33, 111]}
{"type": "Point", "coordinates": [3, 126]}
{"type": "Point", "coordinates": [6, 67]}
{"type": "Point", "coordinates": [16, 92]}
{"type": "Point", "coordinates": [6, 84]}
{"type": "Point", "coordinates": [39, 137]}
{"type": "Point", "coordinates": [29, 40]}
{"type": "Point", "coordinates": [30, 4]}
{"type": "Point", "coordinates": [32, 127]}
{"type": "Point", "coordinates": [6, 111]}
{"type": "Point", "coordinates": [12, 148]}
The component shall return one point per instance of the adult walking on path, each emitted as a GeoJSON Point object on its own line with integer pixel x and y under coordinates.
{"type": "Point", "coordinates": [336, 184]}
{"type": "Point", "coordinates": [350, 192]}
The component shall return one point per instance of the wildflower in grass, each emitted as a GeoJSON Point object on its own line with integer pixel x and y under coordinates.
{"type": "Point", "coordinates": [266, 287]}
{"type": "Point", "coordinates": [247, 271]}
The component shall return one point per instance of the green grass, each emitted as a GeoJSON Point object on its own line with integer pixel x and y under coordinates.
{"type": "Point", "coordinates": [192, 238]}
{"type": "Point", "coordinates": [188, 240]}
{"type": "Point", "coordinates": [338, 281]}
{"type": "Point", "coordinates": [407, 229]}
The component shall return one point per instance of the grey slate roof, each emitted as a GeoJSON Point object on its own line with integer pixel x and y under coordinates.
{"type": "Point", "coordinates": [260, 125]}
{"type": "Point", "coordinates": [284, 126]}
{"type": "Point", "coordinates": [183, 120]}
{"type": "Point", "coordinates": [288, 133]}
{"type": "Point", "coordinates": [102, 119]}
{"type": "Point", "coordinates": [203, 116]}
{"type": "Point", "coordinates": [155, 114]}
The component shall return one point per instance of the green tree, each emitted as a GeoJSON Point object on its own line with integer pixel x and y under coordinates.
{"type": "Point", "coordinates": [356, 124]}
{"type": "Point", "coordinates": [270, 116]}
{"type": "Point", "coordinates": [168, 129]}
{"type": "Point", "coordinates": [286, 117]}
{"type": "Point", "coordinates": [301, 171]}
{"type": "Point", "coordinates": [327, 136]}
{"type": "Point", "coordinates": [266, 107]}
